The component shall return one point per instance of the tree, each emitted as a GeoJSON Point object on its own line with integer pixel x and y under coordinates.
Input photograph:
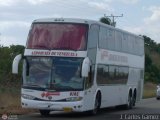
{"type": "Point", "coordinates": [152, 69]}
{"type": "Point", "coordinates": [105, 20]}
{"type": "Point", "coordinates": [7, 55]}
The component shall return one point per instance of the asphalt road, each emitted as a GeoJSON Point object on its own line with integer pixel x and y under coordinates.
{"type": "Point", "coordinates": [147, 109]}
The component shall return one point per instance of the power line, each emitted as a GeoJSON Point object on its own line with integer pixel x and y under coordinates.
{"type": "Point", "coordinates": [113, 18]}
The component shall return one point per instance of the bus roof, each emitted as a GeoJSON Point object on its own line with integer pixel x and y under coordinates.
{"type": "Point", "coordinates": [65, 20]}
{"type": "Point", "coordinates": [81, 21]}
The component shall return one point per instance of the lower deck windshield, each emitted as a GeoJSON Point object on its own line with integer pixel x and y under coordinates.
{"type": "Point", "coordinates": [55, 73]}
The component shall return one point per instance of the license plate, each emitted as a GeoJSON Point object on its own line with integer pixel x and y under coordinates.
{"type": "Point", "coordinates": [67, 109]}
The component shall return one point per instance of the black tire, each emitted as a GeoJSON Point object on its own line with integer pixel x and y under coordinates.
{"type": "Point", "coordinates": [44, 112]}
{"type": "Point", "coordinates": [157, 98]}
{"type": "Point", "coordinates": [97, 104]}
{"type": "Point", "coordinates": [129, 104]}
{"type": "Point", "coordinates": [134, 99]}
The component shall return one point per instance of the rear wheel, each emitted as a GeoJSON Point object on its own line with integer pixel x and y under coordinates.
{"type": "Point", "coordinates": [134, 99]}
{"type": "Point", "coordinates": [44, 112]}
{"type": "Point", "coordinates": [129, 104]}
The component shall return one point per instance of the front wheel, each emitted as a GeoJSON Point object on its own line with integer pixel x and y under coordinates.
{"type": "Point", "coordinates": [97, 104]}
{"type": "Point", "coordinates": [44, 112]}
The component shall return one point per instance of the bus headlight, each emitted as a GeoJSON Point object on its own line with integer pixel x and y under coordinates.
{"type": "Point", "coordinates": [74, 99]}
{"type": "Point", "coordinates": [28, 97]}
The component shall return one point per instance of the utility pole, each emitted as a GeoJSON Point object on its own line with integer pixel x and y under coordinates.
{"type": "Point", "coordinates": [113, 18]}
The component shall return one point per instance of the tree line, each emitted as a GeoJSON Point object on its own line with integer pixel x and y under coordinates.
{"type": "Point", "coordinates": [7, 55]}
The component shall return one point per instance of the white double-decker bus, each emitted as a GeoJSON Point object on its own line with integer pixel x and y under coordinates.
{"type": "Point", "coordinates": [80, 65]}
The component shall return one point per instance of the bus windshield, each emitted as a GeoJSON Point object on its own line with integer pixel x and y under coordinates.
{"type": "Point", "coordinates": [58, 36]}
{"type": "Point", "coordinates": [59, 74]}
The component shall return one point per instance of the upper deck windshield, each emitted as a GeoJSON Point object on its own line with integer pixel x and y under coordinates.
{"type": "Point", "coordinates": [59, 74]}
{"type": "Point", "coordinates": [58, 36]}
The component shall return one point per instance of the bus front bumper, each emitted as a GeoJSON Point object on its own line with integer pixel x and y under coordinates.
{"type": "Point", "coordinates": [55, 106]}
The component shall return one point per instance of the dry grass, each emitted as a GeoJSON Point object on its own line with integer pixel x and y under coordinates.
{"type": "Point", "coordinates": [149, 90]}
{"type": "Point", "coordinates": [10, 103]}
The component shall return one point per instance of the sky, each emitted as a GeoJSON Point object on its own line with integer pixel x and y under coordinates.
{"type": "Point", "coordinates": [141, 17]}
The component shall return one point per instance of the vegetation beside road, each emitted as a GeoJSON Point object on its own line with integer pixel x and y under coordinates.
{"type": "Point", "coordinates": [149, 90]}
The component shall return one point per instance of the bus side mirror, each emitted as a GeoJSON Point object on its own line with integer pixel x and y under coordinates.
{"type": "Point", "coordinates": [85, 67]}
{"type": "Point", "coordinates": [16, 63]}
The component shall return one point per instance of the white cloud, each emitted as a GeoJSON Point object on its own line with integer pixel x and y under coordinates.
{"type": "Point", "coordinates": [130, 1]}
{"type": "Point", "coordinates": [100, 6]}
{"type": "Point", "coordinates": [146, 29]}
{"type": "Point", "coordinates": [13, 32]}
{"type": "Point", "coordinates": [151, 26]}
{"type": "Point", "coordinates": [155, 17]}
{"type": "Point", "coordinates": [135, 30]}
{"type": "Point", "coordinates": [10, 40]}
{"type": "Point", "coordinates": [152, 23]}
{"type": "Point", "coordinates": [14, 2]}
{"type": "Point", "coordinates": [35, 2]}
{"type": "Point", "coordinates": [8, 2]}
{"type": "Point", "coordinates": [4, 25]}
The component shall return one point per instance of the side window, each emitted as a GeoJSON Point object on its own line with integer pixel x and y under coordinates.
{"type": "Point", "coordinates": [137, 46]}
{"type": "Point", "coordinates": [130, 44]}
{"type": "Point", "coordinates": [113, 74]}
{"type": "Point", "coordinates": [102, 74]}
{"type": "Point", "coordinates": [89, 80]}
{"type": "Point", "coordinates": [141, 45]}
{"type": "Point", "coordinates": [123, 75]}
{"type": "Point", "coordinates": [103, 38]}
{"type": "Point", "coordinates": [134, 45]}
{"type": "Point", "coordinates": [93, 36]}
{"type": "Point", "coordinates": [118, 40]}
{"type": "Point", "coordinates": [141, 74]}
{"type": "Point", "coordinates": [111, 39]}
{"type": "Point", "coordinates": [125, 43]}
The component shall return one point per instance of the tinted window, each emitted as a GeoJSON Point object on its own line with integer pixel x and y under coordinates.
{"type": "Point", "coordinates": [111, 40]}
{"type": "Point", "coordinates": [118, 40]}
{"type": "Point", "coordinates": [110, 74]}
{"type": "Point", "coordinates": [125, 43]}
{"type": "Point", "coordinates": [93, 36]}
{"type": "Point", "coordinates": [102, 74]}
{"type": "Point", "coordinates": [103, 38]}
{"type": "Point", "coordinates": [58, 36]}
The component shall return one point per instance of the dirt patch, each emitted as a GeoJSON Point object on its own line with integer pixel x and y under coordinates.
{"type": "Point", "coordinates": [149, 90]}
{"type": "Point", "coordinates": [15, 110]}
{"type": "Point", "coordinates": [10, 103]}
